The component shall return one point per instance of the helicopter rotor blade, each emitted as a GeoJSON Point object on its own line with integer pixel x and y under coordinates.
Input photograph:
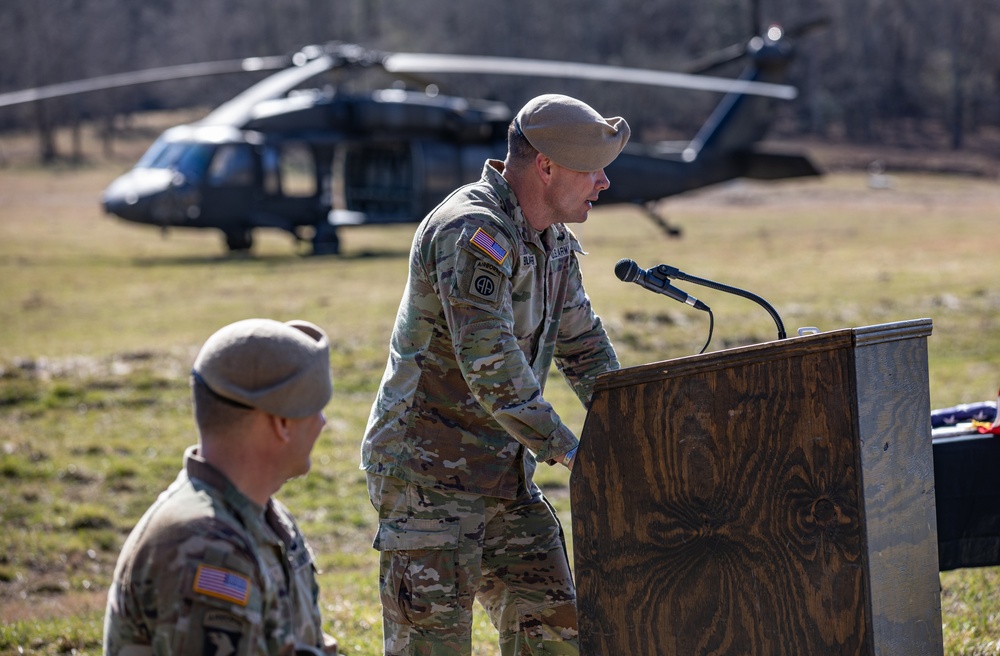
{"type": "Point", "coordinates": [737, 51]}
{"type": "Point", "coordinates": [131, 78]}
{"type": "Point", "coordinates": [239, 109]}
{"type": "Point", "coordinates": [426, 63]}
{"type": "Point", "coordinates": [716, 59]}
{"type": "Point", "coordinates": [756, 22]}
{"type": "Point", "coordinates": [808, 27]}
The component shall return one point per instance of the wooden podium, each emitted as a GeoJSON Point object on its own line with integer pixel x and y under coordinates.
{"type": "Point", "coordinates": [771, 499]}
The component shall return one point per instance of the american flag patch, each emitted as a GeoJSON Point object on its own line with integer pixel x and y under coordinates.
{"type": "Point", "coordinates": [222, 584]}
{"type": "Point", "coordinates": [488, 246]}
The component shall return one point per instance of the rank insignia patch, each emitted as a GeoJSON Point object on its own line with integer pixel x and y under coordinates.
{"type": "Point", "coordinates": [222, 584]}
{"type": "Point", "coordinates": [489, 246]}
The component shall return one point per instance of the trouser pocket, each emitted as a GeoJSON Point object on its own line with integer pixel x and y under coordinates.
{"type": "Point", "coordinates": [417, 578]}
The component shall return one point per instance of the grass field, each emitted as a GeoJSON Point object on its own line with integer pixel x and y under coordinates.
{"type": "Point", "coordinates": [100, 321]}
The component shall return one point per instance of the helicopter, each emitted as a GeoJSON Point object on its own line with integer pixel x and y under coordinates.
{"type": "Point", "coordinates": [313, 161]}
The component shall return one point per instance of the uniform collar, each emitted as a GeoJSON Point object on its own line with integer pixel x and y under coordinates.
{"type": "Point", "coordinates": [253, 514]}
{"type": "Point", "coordinates": [197, 467]}
{"type": "Point", "coordinates": [493, 176]}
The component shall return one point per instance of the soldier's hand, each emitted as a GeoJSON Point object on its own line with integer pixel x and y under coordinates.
{"type": "Point", "coordinates": [569, 458]}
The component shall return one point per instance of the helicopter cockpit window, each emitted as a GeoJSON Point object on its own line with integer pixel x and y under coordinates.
{"type": "Point", "coordinates": [232, 166]}
{"type": "Point", "coordinates": [289, 170]}
{"type": "Point", "coordinates": [187, 158]}
{"type": "Point", "coordinates": [156, 154]}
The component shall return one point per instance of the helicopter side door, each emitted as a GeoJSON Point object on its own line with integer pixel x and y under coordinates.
{"type": "Point", "coordinates": [379, 182]}
{"type": "Point", "coordinates": [294, 185]}
{"type": "Point", "coordinates": [228, 192]}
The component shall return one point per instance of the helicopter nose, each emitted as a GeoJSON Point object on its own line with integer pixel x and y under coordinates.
{"type": "Point", "coordinates": [116, 201]}
{"type": "Point", "coordinates": [130, 195]}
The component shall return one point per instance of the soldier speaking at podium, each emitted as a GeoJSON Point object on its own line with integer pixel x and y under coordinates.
{"type": "Point", "coordinates": [494, 295]}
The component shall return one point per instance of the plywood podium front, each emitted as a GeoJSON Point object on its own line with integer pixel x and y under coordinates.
{"type": "Point", "coordinates": [771, 499]}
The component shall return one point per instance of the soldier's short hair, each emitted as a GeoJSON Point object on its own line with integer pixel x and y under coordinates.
{"type": "Point", "coordinates": [214, 413]}
{"type": "Point", "coordinates": [519, 148]}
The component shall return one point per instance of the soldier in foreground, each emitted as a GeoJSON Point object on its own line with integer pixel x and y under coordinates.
{"type": "Point", "coordinates": [216, 565]}
{"type": "Point", "coordinates": [494, 296]}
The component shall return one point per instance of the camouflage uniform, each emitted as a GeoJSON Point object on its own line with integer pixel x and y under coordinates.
{"type": "Point", "coordinates": [460, 420]}
{"type": "Point", "coordinates": [207, 571]}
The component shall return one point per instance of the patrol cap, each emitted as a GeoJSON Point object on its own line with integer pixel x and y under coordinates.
{"type": "Point", "coordinates": [571, 133]}
{"type": "Point", "coordinates": [280, 368]}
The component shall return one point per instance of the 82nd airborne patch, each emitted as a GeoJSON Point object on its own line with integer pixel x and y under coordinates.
{"type": "Point", "coordinates": [486, 280]}
{"type": "Point", "coordinates": [222, 634]}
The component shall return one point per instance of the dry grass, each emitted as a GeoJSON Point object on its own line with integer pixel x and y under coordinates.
{"type": "Point", "coordinates": [100, 319]}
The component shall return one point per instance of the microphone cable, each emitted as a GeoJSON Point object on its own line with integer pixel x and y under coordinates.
{"type": "Point", "coordinates": [711, 329]}
{"type": "Point", "coordinates": [674, 272]}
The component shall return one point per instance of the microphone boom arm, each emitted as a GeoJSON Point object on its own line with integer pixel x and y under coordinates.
{"type": "Point", "coordinates": [677, 274]}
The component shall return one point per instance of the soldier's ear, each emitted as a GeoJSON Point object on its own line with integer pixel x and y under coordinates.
{"type": "Point", "coordinates": [543, 167]}
{"type": "Point", "coordinates": [281, 427]}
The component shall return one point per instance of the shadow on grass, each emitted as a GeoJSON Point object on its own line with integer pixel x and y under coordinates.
{"type": "Point", "coordinates": [233, 260]}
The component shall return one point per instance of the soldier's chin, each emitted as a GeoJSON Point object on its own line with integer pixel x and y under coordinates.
{"type": "Point", "coordinates": [576, 217]}
{"type": "Point", "coordinates": [304, 470]}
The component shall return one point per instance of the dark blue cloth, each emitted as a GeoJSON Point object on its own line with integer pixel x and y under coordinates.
{"type": "Point", "coordinates": [959, 414]}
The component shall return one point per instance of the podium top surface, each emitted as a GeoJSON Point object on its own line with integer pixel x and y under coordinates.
{"type": "Point", "coordinates": [766, 351]}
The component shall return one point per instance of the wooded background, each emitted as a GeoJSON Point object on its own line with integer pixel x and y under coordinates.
{"type": "Point", "coordinates": [897, 72]}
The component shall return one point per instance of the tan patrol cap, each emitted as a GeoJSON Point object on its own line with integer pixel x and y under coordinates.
{"type": "Point", "coordinates": [280, 368]}
{"type": "Point", "coordinates": [571, 133]}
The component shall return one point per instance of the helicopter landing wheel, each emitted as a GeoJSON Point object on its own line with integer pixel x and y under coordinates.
{"type": "Point", "coordinates": [239, 241]}
{"type": "Point", "coordinates": [661, 221]}
{"type": "Point", "coordinates": [326, 241]}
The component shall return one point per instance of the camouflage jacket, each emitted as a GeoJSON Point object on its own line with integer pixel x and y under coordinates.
{"type": "Point", "coordinates": [489, 304]}
{"type": "Point", "coordinates": [208, 571]}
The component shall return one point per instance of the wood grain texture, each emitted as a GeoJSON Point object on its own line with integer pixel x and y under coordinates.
{"type": "Point", "coordinates": [718, 506]}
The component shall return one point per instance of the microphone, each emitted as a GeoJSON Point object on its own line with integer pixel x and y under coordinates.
{"type": "Point", "coordinates": [665, 272]}
{"type": "Point", "coordinates": [654, 281]}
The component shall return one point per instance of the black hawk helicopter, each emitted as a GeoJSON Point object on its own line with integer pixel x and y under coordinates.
{"type": "Point", "coordinates": [313, 161]}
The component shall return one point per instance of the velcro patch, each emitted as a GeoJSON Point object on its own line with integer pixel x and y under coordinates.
{"type": "Point", "coordinates": [222, 584]}
{"type": "Point", "coordinates": [484, 242]}
{"type": "Point", "coordinates": [485, 282]}
{"type": "Point", "coordinates": [222, 633]}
